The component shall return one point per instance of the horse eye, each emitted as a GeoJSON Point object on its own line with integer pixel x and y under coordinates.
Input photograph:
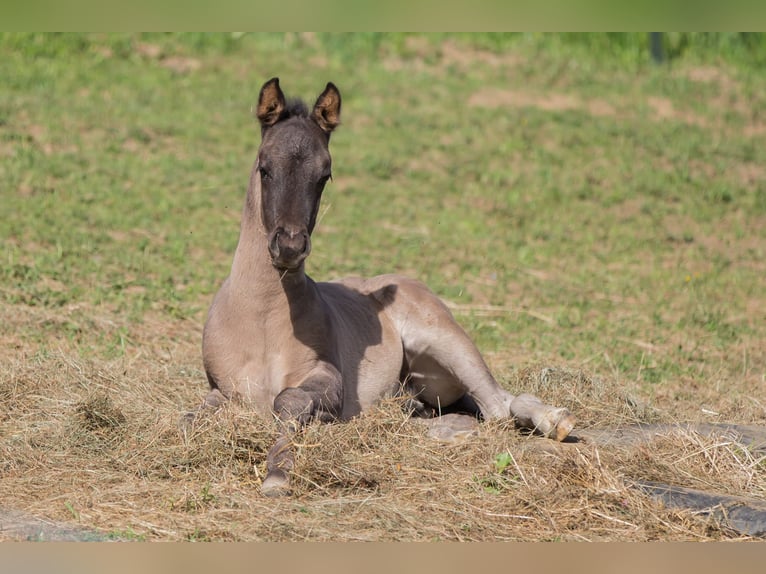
{"type": "Point", "coordinates": [324, 178]}
{"type": "Point", "coordinates": [264, 172]}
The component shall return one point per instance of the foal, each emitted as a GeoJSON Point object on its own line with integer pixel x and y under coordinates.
{"type": "Point", "coordinates": [299, 350]}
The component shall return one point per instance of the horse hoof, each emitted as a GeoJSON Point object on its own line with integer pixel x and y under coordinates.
{"type": "Point", "coordinates": [276, 484]}
{"type": "Point", "coordinates": [186, 422]}
{"type": "Point", "coordinates": [556, 424]}
{"type": "Point", "coordinates": [564, 426]}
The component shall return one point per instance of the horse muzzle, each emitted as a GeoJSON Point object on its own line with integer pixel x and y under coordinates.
{"type": "Point", "coordinates": [288, 249]}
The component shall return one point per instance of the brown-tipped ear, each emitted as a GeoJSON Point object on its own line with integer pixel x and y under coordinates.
{"type": "Point", "coordinates": [327, 109]}
{"type": "Point", "coordinates": [271, 103]}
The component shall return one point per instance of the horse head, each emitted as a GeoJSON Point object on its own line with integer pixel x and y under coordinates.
{"type": "Point", "coordinates": [293, 166]}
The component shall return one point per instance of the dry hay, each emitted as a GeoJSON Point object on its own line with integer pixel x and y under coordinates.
{"type": "Point", "coordinates": [96, 443]}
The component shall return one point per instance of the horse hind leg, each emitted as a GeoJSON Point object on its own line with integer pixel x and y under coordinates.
{"type": "Point", "coordinates": [458, 368]}
{"type": "Point", "coordinates": [446, 364]}
{"type": "Point", "coordinates": [532, 414]}
{"type": "Point", "coordinates": [492, 401]}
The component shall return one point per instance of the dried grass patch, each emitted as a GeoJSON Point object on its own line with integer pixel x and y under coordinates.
{"type": "Point", "coordinates": [97, 443]}
{"type": "Point", "coordinates": [715, 462]}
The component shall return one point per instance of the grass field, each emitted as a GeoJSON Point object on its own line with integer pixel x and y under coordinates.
{"type": "Point", "coordinates": [578, 207]}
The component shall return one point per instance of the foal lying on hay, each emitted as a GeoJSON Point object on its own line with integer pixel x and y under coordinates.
{"type": "Point", "coordinates": [276, 340]}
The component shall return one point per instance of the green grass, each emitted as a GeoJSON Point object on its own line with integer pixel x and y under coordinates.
{"type": "Point", "coordinates": [640, 238]}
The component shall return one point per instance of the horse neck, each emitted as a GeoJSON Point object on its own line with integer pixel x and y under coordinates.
{"type": "Point", "coordinates": [252, 270]}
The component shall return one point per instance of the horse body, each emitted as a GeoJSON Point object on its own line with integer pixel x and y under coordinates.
{"type": "Point", "coordinates": [338, 330]}
{"type": "Point", "coordinates": [302, 350]}
{"type": "Point", "coordinates": [268, 330]}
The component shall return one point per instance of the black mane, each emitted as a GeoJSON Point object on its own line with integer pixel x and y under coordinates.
{"type": "Point", "coordinates": [295, 108]}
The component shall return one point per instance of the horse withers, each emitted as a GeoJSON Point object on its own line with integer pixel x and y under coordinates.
{"type": "Point", "coordinates": [299, 350]}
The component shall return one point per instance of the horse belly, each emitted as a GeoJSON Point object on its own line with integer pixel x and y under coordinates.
{"type": "Point", "coordinates": [430, 382]}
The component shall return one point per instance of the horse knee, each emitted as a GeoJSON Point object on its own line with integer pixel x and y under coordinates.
{"type": "Point", "coordinates": [315, 397]}
{"type": "Point", "coordinates": [294, 404]}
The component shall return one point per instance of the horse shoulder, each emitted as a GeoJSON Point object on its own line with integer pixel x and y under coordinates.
{"type": "Point", "coordinates": [238, 358]}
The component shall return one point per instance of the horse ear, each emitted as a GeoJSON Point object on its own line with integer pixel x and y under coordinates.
{"type": "Point", "coordinates": [271, 103]}
{"type": "Point", "coordinates": [327, 109]}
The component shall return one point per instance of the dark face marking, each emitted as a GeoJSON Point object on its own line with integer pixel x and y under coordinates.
{"type": "Point", "coordinates": [293, 165]}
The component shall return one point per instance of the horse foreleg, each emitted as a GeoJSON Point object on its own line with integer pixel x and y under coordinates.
{"type": "Point", "coordinates": [317, 397]}
{"type": "Point", "coordinates": [213, 400]}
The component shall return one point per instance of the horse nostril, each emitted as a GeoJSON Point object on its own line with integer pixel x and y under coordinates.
{"type": "Point", "coordinates": [274, 243]}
